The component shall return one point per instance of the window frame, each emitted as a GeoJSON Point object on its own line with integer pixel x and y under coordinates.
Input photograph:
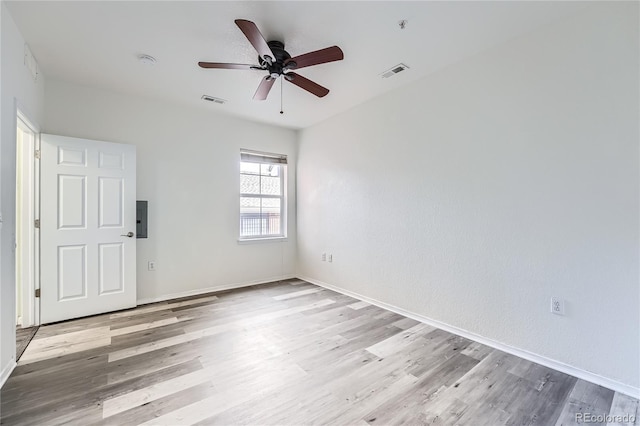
{"type": "Point", "coordinates": [280, 160]}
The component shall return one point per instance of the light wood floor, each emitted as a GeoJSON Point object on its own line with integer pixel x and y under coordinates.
{"type": "Point", "coordinates": [286, 353]}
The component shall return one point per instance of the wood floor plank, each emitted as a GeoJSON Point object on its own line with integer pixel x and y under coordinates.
{"type": "Point", "coordinates": [623, 408]}
{"type": "Point", "coordinates": [80, 324]}
{"type": "Point", "coordinates": [49, 416]}
{"type": "Point", "coordinates": [359, 305]}
{"type": "Point", "coordinates": [287, 405]}
{"type": "Point", "coordinates": [585, 398]}
{"type": "Point", "coordinates": [149, 363]}
{"type": "Point", "coordinates": [161, 307]}
{"type": "Point", "coordinates": [34, 354]}
{"type": "Point", "coordinates": [253, 313]}
{"type": "Point", "coordinates": [143, 396]}
{"type": "Point", "coordinates": [187, 337]}
{"type": "Point", "coordinates": [413, 402]}
{"type": "Point", "coordinates": [16, 398]}
{"type": "Point", "coordinates": [161, 406]}
{"type": "Point", "coordinates": [228, 396]}
{"type": "Point", "coordinates": [131, 321]}
{"type": "Point", "coordinates": [141, 337]}
{"type": "Point", "coordinates": [398, 341]}
{"type": "Point", "coordinates": [284, 353]}
{"type": "Point", "coordinates": [405, 323]}
{"type": "Point", "coordinates": [68, 339]}
{"type": "Point", "coordinates": [477, 350]}
{"type": "Point", "coordinates": [144, 326]}
{"type": "Point", "coordinates": [295, 294]}
{"type": "Point", "coordinates": [46, 407]}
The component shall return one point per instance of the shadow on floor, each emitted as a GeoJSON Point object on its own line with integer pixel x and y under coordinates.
{"type": "Point", "coordinates": [23, 337]}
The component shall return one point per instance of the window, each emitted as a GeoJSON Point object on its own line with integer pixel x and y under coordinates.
{"type": "Point", "coordinates": [262, 195]}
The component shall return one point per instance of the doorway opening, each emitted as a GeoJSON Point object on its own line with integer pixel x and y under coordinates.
{"type": "Point", "coordinates": [27, 232]}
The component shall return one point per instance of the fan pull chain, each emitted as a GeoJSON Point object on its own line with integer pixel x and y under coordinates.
{"type": "Point", "coordinates": [281, 84]}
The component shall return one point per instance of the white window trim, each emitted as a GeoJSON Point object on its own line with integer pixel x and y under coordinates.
{"type": "Point", "coordinates": [262, 240]}
{"type": "Point", "coordinates": [283, 203]}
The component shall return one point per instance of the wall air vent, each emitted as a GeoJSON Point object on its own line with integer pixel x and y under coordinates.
{"type": "Point", "coordinates": [394, 70]}
{"type": "Point", "coordinates": [213, 99]}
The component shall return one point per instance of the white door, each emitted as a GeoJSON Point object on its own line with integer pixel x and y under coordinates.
{"type": "Point", "coordinates": [87, 224]}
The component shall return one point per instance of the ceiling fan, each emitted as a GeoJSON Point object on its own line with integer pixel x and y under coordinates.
{"type": "Point", "coordinates": [277, 61]}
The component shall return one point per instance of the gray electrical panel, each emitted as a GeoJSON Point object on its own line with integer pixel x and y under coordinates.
{"type": "Point", "coordinates": [141, 219]}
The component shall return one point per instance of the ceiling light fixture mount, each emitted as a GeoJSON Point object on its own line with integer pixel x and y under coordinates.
{"type": "Point", "coordinates": [147, 59]}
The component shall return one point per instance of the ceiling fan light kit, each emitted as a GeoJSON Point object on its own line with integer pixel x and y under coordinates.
{"type": "Point", "coordinates": [273, 58]}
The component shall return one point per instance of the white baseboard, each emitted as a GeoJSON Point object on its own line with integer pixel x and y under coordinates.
{"type": "Point", "coordinates": [6, 371]}
{"type": "Point", "coordinates": [614, 385]}
{"type": "Point", "coordinates": [213, 289]}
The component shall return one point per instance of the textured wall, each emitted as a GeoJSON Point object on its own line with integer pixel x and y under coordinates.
{"type": "Point", "coordinates": [474, 195]}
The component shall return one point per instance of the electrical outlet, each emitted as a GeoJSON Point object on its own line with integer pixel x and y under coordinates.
{"type": "Point", "coordinates": [324, 257]}
{"type": "Point", "coordinates": [151, 265]}
{"type": "Point", "coordinates": [557, 306]}
{"type": "Point", "coordinates": [330, 257]}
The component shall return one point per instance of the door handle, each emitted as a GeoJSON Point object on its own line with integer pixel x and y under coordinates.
{"type": "Point", "coordinates": [128, 234]}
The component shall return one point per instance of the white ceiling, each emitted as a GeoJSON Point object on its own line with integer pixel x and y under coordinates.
{"type": "Point", "coordinates": [97, 43]}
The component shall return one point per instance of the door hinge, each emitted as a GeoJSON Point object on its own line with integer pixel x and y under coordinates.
{"type": "Point", "coordinates": [37, 223]}
{"type": "Point", "coordinates": [37, 292]}
{"type": "Point", "coordinates": [38, 154]}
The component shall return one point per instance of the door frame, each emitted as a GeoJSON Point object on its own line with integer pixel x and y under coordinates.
{"type": "Point", "coordinates": [28, 234]}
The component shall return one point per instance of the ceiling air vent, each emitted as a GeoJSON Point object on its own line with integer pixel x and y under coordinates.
{"type": "Point", "coordinates": [213, 99]}
{"type": "Point", "coordinates": [394, 70]}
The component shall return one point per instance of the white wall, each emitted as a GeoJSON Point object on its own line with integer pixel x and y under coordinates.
{"type": "Point", "coordinates": [474, 195]}
{"type": "Point", "coordinates": [17, 85]}
{"type": "Point", "coordinates": [188, 170]}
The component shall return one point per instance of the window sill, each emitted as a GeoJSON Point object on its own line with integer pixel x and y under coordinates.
{"type": "Point", "coordinates": [262, 240]}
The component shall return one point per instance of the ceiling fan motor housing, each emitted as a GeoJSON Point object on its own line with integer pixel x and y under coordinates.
{"type": "Point", "coordinates": [277, 67]}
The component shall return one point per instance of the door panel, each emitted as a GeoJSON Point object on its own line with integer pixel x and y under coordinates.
{"type": "Point", "coordinates": [72, 272]}
{"type": "Point", "coordinates": [88, 263]}
{"type": "Point", "coordinates": [72, 157]}
{"type": "Point", "coordinates": [111, 265]}
{"type": "Point", "coordinates": [111, 203]}
{"type": "Point", "coordinates": [72, 202]}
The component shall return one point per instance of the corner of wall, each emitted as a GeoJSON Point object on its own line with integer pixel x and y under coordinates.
{"type": "Point", "coordinates": [17, 88]}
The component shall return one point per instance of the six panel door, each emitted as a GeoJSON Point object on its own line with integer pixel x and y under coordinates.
{"type": "Point", "coordinates": [87, 220]}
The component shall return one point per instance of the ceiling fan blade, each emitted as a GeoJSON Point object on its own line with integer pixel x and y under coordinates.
{"type": "Point", "coordinates": [227, 66]}
{"type": "Point", "coordinates": [306, 84]}
{"type": "Point", "coordinates": [264, 88]}
{"type": "Point", "coordinates": [251, 31]}
{"type": "Point", "coordinates": [330, 54]}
